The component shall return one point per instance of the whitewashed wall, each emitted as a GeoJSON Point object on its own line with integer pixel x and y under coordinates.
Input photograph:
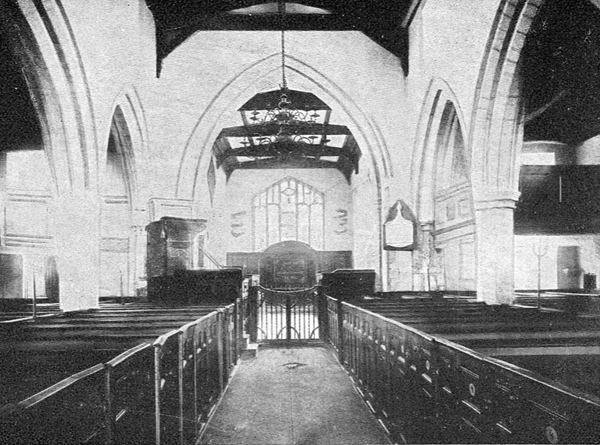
{"type": "Point", "coordinates": [236, 208]}
{"type": "Point", "coordinates": [526, 260]}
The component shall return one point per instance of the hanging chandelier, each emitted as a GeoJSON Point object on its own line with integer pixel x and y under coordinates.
{"type": "Point", "coordinates": [286, 128]}
{"type": "Point", "coordinates": [292, 122]}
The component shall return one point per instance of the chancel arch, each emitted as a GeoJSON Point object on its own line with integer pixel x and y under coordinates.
{"type": "Point", "coordinates": [262, 75]}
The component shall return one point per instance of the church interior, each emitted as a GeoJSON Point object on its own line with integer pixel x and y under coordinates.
{"type": "Point", "coordinates": [411, 184]}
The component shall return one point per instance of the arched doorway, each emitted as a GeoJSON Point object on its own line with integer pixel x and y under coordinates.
{"type": "Point", "coordinates": [288, 265]}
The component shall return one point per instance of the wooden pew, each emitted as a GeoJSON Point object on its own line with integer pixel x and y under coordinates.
{"type": "Point", "coordinates": [554, 343]}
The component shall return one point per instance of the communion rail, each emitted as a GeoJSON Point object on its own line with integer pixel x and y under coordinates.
{"type": "Point", "coordinates": [159, 393]}
{"type": "Point", "coordinates": [425, 389]}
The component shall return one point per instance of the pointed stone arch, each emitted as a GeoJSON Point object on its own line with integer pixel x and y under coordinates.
{"type": "Point", "coordinates": [443, 195]}
{"type": "Point", "coordinates": [496, 119]}
{"type": "Point", "coordinates": [240, 88]}
{"type": "Point", "coordinates": [197, 153]}
{"type": "Point", "coordinates": [496, 141]}
{"type": "Point", "coordinates": [52, 64]}
{"type": "Point", "coordinates": [440, 108]}
{"type": "Point", "coordinates": [122, 248]}
{"type": "Point", "coordinates": [128, 124]}
{"type": "Point", "coordinates": [44, 43]}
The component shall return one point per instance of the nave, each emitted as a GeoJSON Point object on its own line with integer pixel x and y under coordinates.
{"type": "Point", "coordinates": [293, 395]}
{"type": "Point", "coordinates": [450, 148]}
{"type": "Point", "coordinates": [430, 369]}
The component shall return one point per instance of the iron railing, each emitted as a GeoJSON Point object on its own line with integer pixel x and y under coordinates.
{"type": "Point", "coordinates": [284, 315]}
{"type": "Point", "coordinates": [425, 389]}
{"type": "Point", "coordinates": [160, 393]}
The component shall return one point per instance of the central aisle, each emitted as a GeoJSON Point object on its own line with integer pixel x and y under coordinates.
{"type": "Point", "coordinates": [293, 396]}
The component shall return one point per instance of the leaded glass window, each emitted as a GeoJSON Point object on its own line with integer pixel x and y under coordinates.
{"type": "Point", "coordinates": [288, 211]}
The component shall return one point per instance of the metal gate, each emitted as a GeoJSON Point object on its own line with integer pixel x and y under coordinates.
{"type": "Point", "coordinates": [285, 315]}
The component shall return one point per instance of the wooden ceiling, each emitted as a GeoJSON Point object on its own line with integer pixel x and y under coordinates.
{"type": "Point", "coordinates": [19, 124]}
{"type": "Point", "coordinates": [561, 73]}
{"type": "Point", "coordinates": [384, 21]}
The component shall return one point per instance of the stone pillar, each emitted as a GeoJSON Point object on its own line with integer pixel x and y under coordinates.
{"type": "Point", "coordinates": [495, 249]}
{"type": "Point", "coordinates": [77, 222]}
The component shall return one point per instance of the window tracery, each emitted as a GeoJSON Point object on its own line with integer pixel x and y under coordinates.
{"type": "Point", "coordinates": [289, 210]}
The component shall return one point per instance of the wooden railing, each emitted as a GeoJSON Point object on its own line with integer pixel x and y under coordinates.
{"type": "Point", "coordinates": [428, 390]}
{"type": "Point", "coordinates": [159, 393]}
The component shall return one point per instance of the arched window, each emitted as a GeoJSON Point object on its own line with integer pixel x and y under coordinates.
{"type": "Point", "coordinates": [288, 211]}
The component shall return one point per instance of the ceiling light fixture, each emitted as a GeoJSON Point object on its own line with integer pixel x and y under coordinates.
{"type": "Point", "coordinates": [286, 128]}
{"type": "Point", "coordinates": [292, 122]}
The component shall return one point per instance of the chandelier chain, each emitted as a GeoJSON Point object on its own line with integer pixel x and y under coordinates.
{"type": "Point", "coordinates": [284, 81]}
{"type": "Point", "coordinates": [282, 14]}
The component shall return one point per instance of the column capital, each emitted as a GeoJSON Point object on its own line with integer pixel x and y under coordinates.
{"type": "Point", "coordinates": [506, 199]}
{"type": "Point", "coordinates": [427, 226]}
{"type": "Point", "coordinates": [139, 218]}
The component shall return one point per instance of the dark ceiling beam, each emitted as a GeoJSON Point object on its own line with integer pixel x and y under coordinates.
{"type": "Point", "coordinates": [291, 162]}
{"type": "Point", "coordinates": [273, 150]}
{"type": "Point", "coordinates": [273, 128]}
{"type": "Point", "coordinates": [170, 38]}
{"type": "Point", "coordinates": [384, 21]}
{"type": "Point", "coordinates": [243, 22]}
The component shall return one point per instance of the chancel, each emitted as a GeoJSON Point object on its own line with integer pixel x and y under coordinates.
{"type": "Point", "coordinates": [328, 222]}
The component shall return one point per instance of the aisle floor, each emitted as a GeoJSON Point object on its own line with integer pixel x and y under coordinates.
{"type": "Point", "coordinates": [293, 396]}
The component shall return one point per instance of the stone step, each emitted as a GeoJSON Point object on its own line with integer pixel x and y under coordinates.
{"type": "Point", "coordinates": [244, 341]}
{"type": "Point", "coordinates": [250, 351]}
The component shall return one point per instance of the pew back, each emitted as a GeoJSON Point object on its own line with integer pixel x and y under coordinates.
{"type": "Point", "coordinates": [425, 389]}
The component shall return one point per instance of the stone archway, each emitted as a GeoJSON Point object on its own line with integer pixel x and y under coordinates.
{"type": "Point", "coordinates": [495, 141]}
{"type": "Point", "coordinates": [44, 43]}
{"type": "Point", "coordinates": [443, 196]}
{"type": "Point", "coordinates": [116, 236]}
{"type": "Point", "coordinates": [195, 163]}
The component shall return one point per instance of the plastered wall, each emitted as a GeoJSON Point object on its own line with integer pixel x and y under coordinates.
{"type": "Point", "coordinates": [527, 249]}
{"type": "Point", "coordinates": [232, 227]}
